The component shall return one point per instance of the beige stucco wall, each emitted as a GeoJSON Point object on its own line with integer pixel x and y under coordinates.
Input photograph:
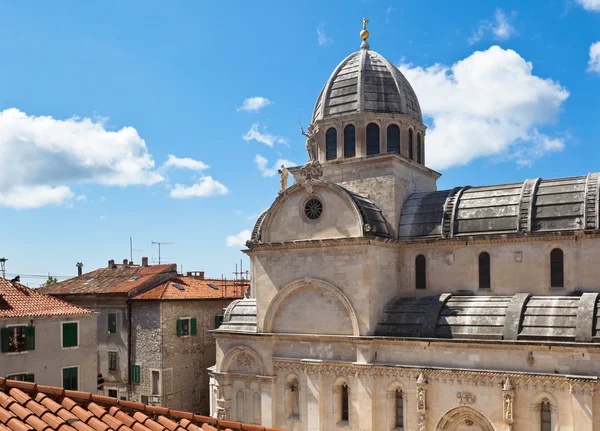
{"type": "Point", "coordinates": [48, 357]}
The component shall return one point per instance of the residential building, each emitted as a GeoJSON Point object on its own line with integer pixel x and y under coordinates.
{"type": "Point", "coordinates": [172, 344]}
{"type": "Point", "coordinates": [45, 339]}
{"type": "Point", "coordinates": [108, 292]}
{"type": "Point", "coordinates": [380, 303]}
{"type": "Point", "coordinates": [27, 406]}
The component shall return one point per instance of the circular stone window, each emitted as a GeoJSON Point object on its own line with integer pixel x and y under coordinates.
{"type": "Point", "coordinates": [313, 208]}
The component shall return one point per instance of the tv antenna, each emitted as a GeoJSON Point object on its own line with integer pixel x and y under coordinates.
{"type": "Point", "coordinates": [3, 266]}
{"type": "Point", "coordinates": [131, 250]}
{"type": "Point", "coordinates": [159, 243]}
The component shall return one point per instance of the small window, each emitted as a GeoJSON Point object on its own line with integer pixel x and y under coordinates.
{"type": "Point", "coordinates": [144, 399]}
{"type": "Point", "coordinates": [70, 378]}
{"type": "Point", "coordinates": [393, 139]}
{"type": "Point", "coordinates": [17, 339]}
{"type": "Point", "coordinates": [292, 401]}
{"type": "Point", "coordinates": [313, 208]}
{"type": "Point", "coordinates": [557, 277]}
{"type": "Point", "coordinates": [135, 373]}
{"type": "Point", "coordinates": [112, 323]}
{"type": "Point", "coordinates": [484, 271]}
{"type": "Point", "coordinates": [112, 361]}
{"type": "Point", "coordinates": [345, 403]}
{"type": "Point", "coordinates": [418, 148]}
{"type": "Point", "coordinates": [135, 277]}
{"type": "Point", "coordinates": [410, 144]}
{"type": "Point", "coordinates": [21, 377]}
{"type": "Point", "coordinates": [155, 383]}
{"type": "Point", "coordinates": [399, 410]}
{"type": "Point", "coordinates": [218, 321]}
{"type": "Point", "coordinates": [113, 393]}
{"type": "Point", "coordinates": [546, 416]}
{"type": "Point", "coordinates": [349, 141]}
{"type": "Point", "coordinates": [186, 327]}
{"type": "Point", "coordinates": [420, 272]}
{"type": "Point", "coordinates": [331, 144]}
{"type": "Point", "coordinates": [372, 139]}
{"type": "Point", "coordinates": [70, 334]}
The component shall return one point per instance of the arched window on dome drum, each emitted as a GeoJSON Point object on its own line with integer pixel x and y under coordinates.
{"type": "Point", "coordinates": [484, 271]}
{"type": "Point", "coordinates": [410, 144]}
{"type": "Point", "coordinates": [420, 272]}
{"type": "Point", "coordinates": [557, 266]}
{"type": "Point", "coordinates": [393, 139]}
{"type": "Point", "coordinates": [349, 141]}
{"type": "Point", "coordinates": [418, 148]}
{"type": "Point", "coordinates": [331, 144]}
{"type": "Point", "coordinates": [372, 139]}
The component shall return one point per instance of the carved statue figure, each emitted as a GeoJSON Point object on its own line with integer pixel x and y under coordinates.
{"type": "Point", "coordinates": [311, 142]}
{"type": "Point", "coordinates": [421, 405]}
{"type": "Point", "coordinates": [508, 408]}
{"type": "Point", "coordinates": [283, 178]}
{"type": "Point", "coordinates": [422, 423]}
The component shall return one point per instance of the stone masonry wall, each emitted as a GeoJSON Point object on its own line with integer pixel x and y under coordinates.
{"type": "Point", "coordinates": [146, 349]}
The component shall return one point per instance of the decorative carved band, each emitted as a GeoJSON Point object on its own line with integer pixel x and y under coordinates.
{"type": "Point", "coordinates": [447, 212]}
{"type": "Point", "coordinates": [526, 202]}
{"type": "Point", "coordinates": [455, 209]}
{"type": "Point", "coordinates": [590, 210]}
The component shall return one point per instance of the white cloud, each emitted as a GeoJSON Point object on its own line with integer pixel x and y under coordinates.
{"type": "Point", "coordinates": [388, 11]}
{"type": "Point", "coordinates": [238, 239]}
{"type": "Point", "coordinates": [254, 104]}
{"type": "Point", "coordinates": [501, 27]}
{"type": "Point", "coordinates": [205, 187]}
{"type": "Point", "coordinates": [322, 38]}
{"type": "Point", "coordinates": [591, 5]}
{"type": "Point", "coordinates": [261, 164]}
{"type": "Point", "coordinates": [102, 217]}
{"type": "Point", "coordinates": [185, 163]}
{"type": "Point", "coordinates": [594, 63]}
{"type": "Point", "coordinates": [255, 135]}
{"type": "Point", "coordinates": [41, 156]}
{"type": "Point", "coordinates": [488, 104]}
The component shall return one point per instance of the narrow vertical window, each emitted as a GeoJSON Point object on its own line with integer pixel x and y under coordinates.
{"type": "Point", "coordinates": [418, 148]}
{"type": "Point", "coordinates": [557, 275]}
{"type": "Point", "coordinates": [393, 139]}
{"type": "Point", "coordinates": [349, 141]}
{"type": "Point", "coordinates": [331, 144]}
{"type": "Point", "coordinates": [420, 272]}
{"type": "Point", "coordinates": [399, 410]}
{"type": "Point", "coordinates": [484, 271]}
{"type": "Point", "coordinates": [292, 400]}
{"type": "Point", "coordinates": [240, 405]}
{"type": "Point", "coordinates": [112, 361]}
{"type": "Point", "coordinates": [410, 144]}
{"type": "Point", "coordinates": [155, 383]}
{"type": "Point", "coordinates": [372, 139]}
{"type": "Point", "coordinates": [345, 402]}
{"type": "Point", "coordinates": [112, 323]}
{"type": "Point", "coordinates": [545, 416]}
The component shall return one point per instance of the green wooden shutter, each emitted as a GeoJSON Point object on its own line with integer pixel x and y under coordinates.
{"type": "Point", "coordinates": [179, 328]}
{"type": "Point", "coordinates": [218, 321]}
{"type": "Point", "coordinates": [5, 334]}
{"type": "Point", "coordinates": [112, 323]}
{"type": "Point", "coordinates": [29, 378]}
{"type": "Point", "coordinates": [29, 338]}
{"type": "Point", "coordinates": [70, 378]}
{"type": "Point", "coordinates": [70, 334]}
{"type": "Point", "coordinates": [137, 373]}
{"type": "Point", "coordinates": [193, 328]}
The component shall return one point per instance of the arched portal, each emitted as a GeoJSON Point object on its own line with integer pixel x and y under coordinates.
{"type": "Point", "coordinates": [464, 419]}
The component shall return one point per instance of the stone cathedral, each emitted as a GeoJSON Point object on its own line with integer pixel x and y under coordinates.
{"type": "Point", "coordinates": [381, 303]}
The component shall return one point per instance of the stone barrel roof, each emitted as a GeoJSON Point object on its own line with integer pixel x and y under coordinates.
{"type": "Point", "coordinates": [240, 316]}
{"type": "Point", "coordinates": [518, 317]}
{"type": "Point", "coordinates": [365, 81]}
{"type": "Point", "coordinates": [536, 205]}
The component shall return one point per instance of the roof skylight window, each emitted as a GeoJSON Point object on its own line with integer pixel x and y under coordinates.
{"type": "Point", "coordinates": [178, 286]}
{"type": "Point", "coordinates": [135, 277]}
{"type": "Point", "coordinates": [89, 281]}
{"type": "Point", "coordinates": [213, 286]}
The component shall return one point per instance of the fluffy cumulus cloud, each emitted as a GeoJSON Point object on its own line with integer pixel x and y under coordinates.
{"type": "Point", "coordinates": [254, 104]}
{"type": "Point", "coordinates": [591, 5]}
{"type": "Point", "coordinates": [263, 165]}
{"type": "Point", "coordinates": [238, 239]}
{"type": "Point", "coordinates": [184, 163]}
{"type": "Point", "coordinates": [594, 63]}
{"type": "Point", "coordinates": [488, 104]}
{"type": "Point", "coordinates": [205, 187]}
{"type": "Point", "coordinates": [40, 157]}
{"type": "Point", "coordinates": [501, 27]}
{"type": "Point", "coordinates": [254, 134]}
{"type": "Point", "coordinates": [322, 38]}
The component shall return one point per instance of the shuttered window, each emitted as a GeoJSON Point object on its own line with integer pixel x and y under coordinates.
{"type": "Point", "coordinates": [331, 144]}
{"type": "Point", "coordinates": [218, 321]}
{"type": "Point", "coordinates": [484, 271]}
{"type": "Point", "coordinates": [557, 277]}
{"type": "Point", "coordinates": [70, 377]}
{"type": "Point", "coordinates": [186, 327]}
{"type": "Point", "coordinates": [349, 141]}
{"type": "Point", "coordinates": [420, 272]}
{"type": "Point", "coordinates": [135, 373]}
{"type": "Point", "coordinates": [17, 338]}
{"type": "Point", "coordinates": [22, 377]}
{"type": "Point", "coordinates": [372, 139]}
{"type": "Point", "coordinates": [70, 334]}
{"type": "Point", "coordinates": [393, 139]}
{"type": "Point", "coordinates": [112, 361]}
{"type": "Point", "coordinates": [112, 323]}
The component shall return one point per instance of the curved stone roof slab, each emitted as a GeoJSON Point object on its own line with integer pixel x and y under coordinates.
{"type": "Point", "coordinates": [240, 316]}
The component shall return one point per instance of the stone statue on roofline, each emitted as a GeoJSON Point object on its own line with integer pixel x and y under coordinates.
{"type": "Point", "coordinates": [311, 141]}
{"type": "Point", "coordinates": [283, 178]}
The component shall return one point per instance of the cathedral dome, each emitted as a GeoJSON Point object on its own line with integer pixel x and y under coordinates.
{"type": "Point", "coordinates": [365, 81]}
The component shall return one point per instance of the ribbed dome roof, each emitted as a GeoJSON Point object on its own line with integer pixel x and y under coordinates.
{"type": "Point", "coordinates": [366, 82]}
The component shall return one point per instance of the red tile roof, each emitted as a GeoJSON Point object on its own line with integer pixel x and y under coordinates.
{"type": "Point", "coordinates": [17, 300]}
{"type": "Point", "coordinates": [26, 406]}
{"type": "Point", "coordinates": [119, 279]}
{"type": "Point", "coordinates": [184, 287]}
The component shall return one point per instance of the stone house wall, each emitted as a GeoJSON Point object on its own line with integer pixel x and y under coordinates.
{"type": "Point", "coordinates": [146, 347]}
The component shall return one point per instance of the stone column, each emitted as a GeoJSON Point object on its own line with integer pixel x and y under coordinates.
{"type": "Point", "coordinates": [404, 141]}
{"type": "Point", "coordinates": [340, 140]}
{"type": "Point", "coordinates": [361, 138]}
{"type": "Point", "coordinates": [382, 138]}
{"type": "Point", "coordinates": [582, 407]}
{"type": "Point", "coordinates": [312, 399]}
{"type": "Point", "coordinates": [361, 402]}
{"type": "Point", "coordinates": [267, 404]}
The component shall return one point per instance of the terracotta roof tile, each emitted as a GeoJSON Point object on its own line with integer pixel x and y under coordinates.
{"type": "Point", "coordinates": [185, 287]}
{"type": "Point", "coordinates": [26, 407]}
{"type": "Point", "coordinates": [17, 300]}
{"type": "Point", "coordinates": [120, 279]}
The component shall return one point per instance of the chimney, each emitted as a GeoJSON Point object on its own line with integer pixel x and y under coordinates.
{"type": "Point", "coordinates": [125, 262]}
{"type": "Point", "coordinates": [111, 264]}
{"type": "Point", "coordinates": [201, 275]}
{"type": "Point", "coordinates": [144, 262]}
{"type": "Point", "coordinates": [79, 268]}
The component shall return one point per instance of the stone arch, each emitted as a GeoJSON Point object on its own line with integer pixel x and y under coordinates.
{"type": "Point", "coordinates": [535, 409]}
{"type": "Point", "coordinates": [242, 360]}
{"type": "Point", "coordinates": [463, 418]}
{"type": "Point", "coordinates": [291, 288]}
{"type": "Point", "coordinates": [392, 405]}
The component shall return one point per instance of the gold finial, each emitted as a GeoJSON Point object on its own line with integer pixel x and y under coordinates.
{"type": "Point", "coordinates": [364, 34]}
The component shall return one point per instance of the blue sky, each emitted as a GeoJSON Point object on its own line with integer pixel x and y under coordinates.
{"type": "Point", "coordinates": [95, 96]}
